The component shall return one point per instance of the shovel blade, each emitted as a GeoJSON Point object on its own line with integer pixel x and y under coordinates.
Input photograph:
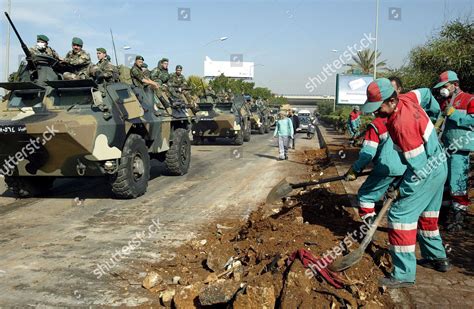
{"type": "Point", "coordinates": [347, 261]}
{"type": "Point", "coordinates": [282, 189]}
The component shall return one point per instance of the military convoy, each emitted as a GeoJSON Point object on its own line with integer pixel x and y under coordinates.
{"type": "Point", "coordinates": [222, 119]}
{"type": "Point", "coordinates": [51, 127]}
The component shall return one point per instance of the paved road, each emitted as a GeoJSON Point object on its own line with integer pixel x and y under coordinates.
{"type": "Point", "coordinates": [64, 249]}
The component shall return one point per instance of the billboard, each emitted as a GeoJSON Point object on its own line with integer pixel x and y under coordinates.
{"type": "Point", "coordinates": [235, 69]}
{"type": "Point", "coordinates": [351, 89]}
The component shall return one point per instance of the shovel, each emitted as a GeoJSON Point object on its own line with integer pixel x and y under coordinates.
{"type": "Point", "coordinates": [355, 256]}
{"type": "Point", "coordinates": [283, 188]}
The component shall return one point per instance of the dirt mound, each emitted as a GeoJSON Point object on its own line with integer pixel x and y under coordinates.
{"type": "Point", "coordinates": [246, 264]}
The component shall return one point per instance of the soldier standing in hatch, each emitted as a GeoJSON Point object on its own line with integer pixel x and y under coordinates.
{"type": "Point", "coordinates": [108, 70]}
{"type": "Point", "coordinates": [139, 78]}
{"type": "Point", "coordinates": [42, 48]}
{"type": "Point", "coordinates": [79, 61]}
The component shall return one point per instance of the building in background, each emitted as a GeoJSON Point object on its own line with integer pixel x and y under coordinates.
{"type": "Point", "coordinates": [235, 69]}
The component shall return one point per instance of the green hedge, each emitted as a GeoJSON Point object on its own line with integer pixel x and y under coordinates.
{"type": "Point", "coordinates": [338, 119]}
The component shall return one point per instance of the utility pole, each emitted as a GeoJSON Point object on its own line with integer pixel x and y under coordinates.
{"type": "Point", "coordinates": [113, 44]}
{"type": "Point", "coordinates": [376, 38]}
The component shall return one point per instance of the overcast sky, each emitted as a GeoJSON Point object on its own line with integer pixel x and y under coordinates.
{"type": "Point", "coordinates": [290, 41]}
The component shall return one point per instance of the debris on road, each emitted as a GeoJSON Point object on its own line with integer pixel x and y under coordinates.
{"type": "Point", "coordinates": [246, 265]}
{"type": "Point", "coordinates": [151, 280]}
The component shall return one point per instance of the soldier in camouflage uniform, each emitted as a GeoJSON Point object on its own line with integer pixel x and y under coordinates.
{"type": "Point", "coordinates": [108, 70]}
{"type": "Point", "coordinates": [146, 71]}
{"type": "Point", "coordinates": [177, 79]}
{"type": "Point", "coordinates": [180, 88]}
{"type": "Point", "coordinates": [230, 95]}
{"type": "Point", "coordinates": [79, 61]}
{"type": "Point", "coordinates": [160, 73]}
{"type": "Point", "coordinates": [42, 48]}
{"type": "Point", "coordinates": [139, 78]}
{"type": "Point", "coordinates": [161, 76]}
{"type": "Point", "coordinates": [209, 96]}
{"type": "Point", "coordinates": [222, 95]}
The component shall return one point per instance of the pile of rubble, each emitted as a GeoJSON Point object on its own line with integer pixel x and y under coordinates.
{"type": "Point", "coordinates": [246, 264]}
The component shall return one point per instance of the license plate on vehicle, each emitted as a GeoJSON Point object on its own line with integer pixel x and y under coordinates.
{"type": "Point", "coordinates": [13, 129]}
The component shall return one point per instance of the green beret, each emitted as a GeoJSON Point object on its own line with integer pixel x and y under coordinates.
{"type": "Point", "coordinates": [179, 66]}
{"type": "Point", "coordinates": [144, 65]}
{"type": "Point", "coordinates": [77, 41]}
{"type": "Point", "coordinates": [102, 50]}
{"type": "Point", "coordinates": [138, 57]}
{"type": "Point", "coordinates": [42, 37]}
{"type": "Point", "coordinates": [164, 60]}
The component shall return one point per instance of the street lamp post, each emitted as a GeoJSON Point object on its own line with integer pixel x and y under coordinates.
{"type": "Point", "coordinates": [376, 38]}
{"type": "Point", "coordinates": [221, 39]}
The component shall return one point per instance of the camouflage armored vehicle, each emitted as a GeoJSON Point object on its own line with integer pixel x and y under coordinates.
{"type": "Point", "coordinates": [260, 120]}
{"type": "Point", "coordinates": [217, 119]}
{"type": "Point", "coordinates": [264, 112]}
{"type": "Point", "coordinates": [50, 128]}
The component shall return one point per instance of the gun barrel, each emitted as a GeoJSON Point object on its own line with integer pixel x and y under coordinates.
{"type": "Point", "coordinates": [23, 45]}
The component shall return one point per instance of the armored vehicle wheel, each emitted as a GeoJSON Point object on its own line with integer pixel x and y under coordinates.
{"type": "Point", "coordinates": [133, 173]}
{"type": "Point", "coordinates": [261, 130]}
{"type": "Point", "coordinates": [24, 186]}
{"type": "Point", "coordinates": [178, 157]}
{"type": "Point", "coordinates": [239, 138]}
{"type": "Point", "coordinates": [247, 132]}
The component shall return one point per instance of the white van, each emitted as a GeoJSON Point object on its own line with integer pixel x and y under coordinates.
{"type": "Point", "coordinates": [305, 118]}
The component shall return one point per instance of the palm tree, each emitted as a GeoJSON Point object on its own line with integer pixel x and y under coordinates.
{"type": "Point", "coordinates": [364, 62]}
{"type": "Point", "coordinates": [197, 84]}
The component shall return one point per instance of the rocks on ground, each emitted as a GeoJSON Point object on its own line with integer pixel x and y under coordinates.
{"type": "Point", "coordinates": [243, 264]}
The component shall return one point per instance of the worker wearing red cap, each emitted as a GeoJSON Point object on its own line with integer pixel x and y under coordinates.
{"type": "Point", "coordinates": [421, 188]}
{"type": "Point", "coordinates": [458, 140]}
{"type": "Point", "coordinates": [353, 122]}
{"type": "Point", "coordinates": [378, 149]}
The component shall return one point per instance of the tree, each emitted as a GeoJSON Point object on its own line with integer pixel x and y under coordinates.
{"type": "Point", "coordinates": [365, 62]}
{"type": "Point", "coordinates": [238, 86]}
{"type": "Point", "coordinates": [278, 100]}
{"type": "Point", "coordinates": [261, 92]}
{"type": "Point", "coordinates": [452, 48]}
{"type": "Point", "coordinates": [197, 85]}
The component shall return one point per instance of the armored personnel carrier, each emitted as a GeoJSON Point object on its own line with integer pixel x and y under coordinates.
{"type": "Point", "coordinates": [51, 127]}
{"type": "Point", "coordinates": [219, 119]}
{"type": "Point", "coordinates": [260, 116]}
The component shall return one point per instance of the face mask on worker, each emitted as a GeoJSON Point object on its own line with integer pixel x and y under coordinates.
{"type": "Point", "coordinates": [41, 45]}
{"type": "Point", "coordinates": [444, 92]}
